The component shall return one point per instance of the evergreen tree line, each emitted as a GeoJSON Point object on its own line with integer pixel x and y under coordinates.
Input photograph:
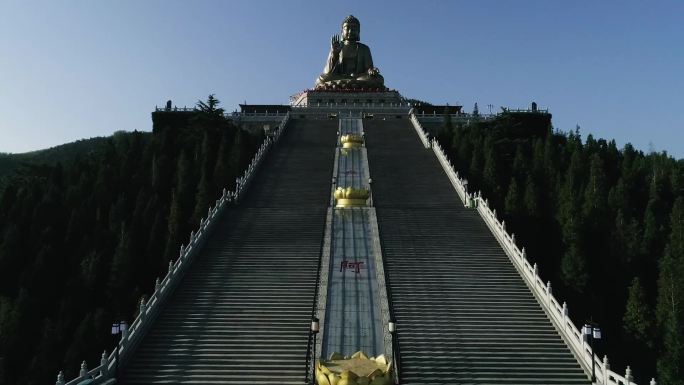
{"type": "Point", "coordinates": [80, 245]}
{"type": "Point", "coordinates": [605, 225]}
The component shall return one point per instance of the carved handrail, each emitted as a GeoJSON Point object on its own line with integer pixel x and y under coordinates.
{"type": "Point", "coordinates": [419, 129]}
{"type": "Point", "coordinates": [150, 308]}
{"type": "Point", "coordinates": [374, 106]}
{"type": "Point", "coordinates": [542, 291]}
{"type": "Point", "coordinates": [275, 114]}
{"type": "Point", "coordinates": [175, 109]}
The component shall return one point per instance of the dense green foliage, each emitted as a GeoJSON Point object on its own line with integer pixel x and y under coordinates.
{"type": "Point", "coordinates": [12, 164]}
{"type": "Point", "coordinates": [415, 102]}
{"type": "Point", "coordinates": [606, 226]}
{"type": "Point", "coordinates": [81, 243]}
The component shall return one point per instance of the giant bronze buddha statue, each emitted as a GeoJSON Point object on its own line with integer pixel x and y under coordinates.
{"type": "Point", "coordinates": [350, 65]}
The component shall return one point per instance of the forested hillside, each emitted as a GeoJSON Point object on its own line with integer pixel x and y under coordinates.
{"type": "Point", "coordinates": [81, 241]}
{"type": "Point", "coordinates": [605, 225]}
{"type": "Point", "coordinates": [11, 164]}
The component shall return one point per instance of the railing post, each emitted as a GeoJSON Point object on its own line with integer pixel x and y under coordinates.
{"type": "Point", "coordinates": [60, 378]}
{"type": "Point", "coordinates": [606, 368]}
{"type": "Point", "coordinates": [143, 307]}
{"type": "Point", "coordinates": [84, 370]}
{"type": "Point", "coordinates": [170, 266]}
{"type": "Point", "coordinates": [104, 361]}
{"type": "Point", "coordinates": [653, 382]}
{"type": "Point", "coordinates": [628, 375]}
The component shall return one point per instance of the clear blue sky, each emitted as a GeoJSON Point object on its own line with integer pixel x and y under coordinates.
{"type": "Point", "coordinates": [77, 69]}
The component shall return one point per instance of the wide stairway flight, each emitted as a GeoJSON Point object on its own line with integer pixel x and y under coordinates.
{"type": "Point", "coordinates": [242, 313]}
{"type": "Point", "coordinates": [464, 315]}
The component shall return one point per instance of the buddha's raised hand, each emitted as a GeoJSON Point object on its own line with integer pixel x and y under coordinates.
{"type": "Point", "coordinates": [335, 43]}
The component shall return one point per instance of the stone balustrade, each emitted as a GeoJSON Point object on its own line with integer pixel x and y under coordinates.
{"type": "Point", "coordinates": [150, 308]}
{"type": "Point", "coordinates": [557, 312]}
{"type": "Point", "coordinates": [229, 115]}
{"type": "Point", "coordinates": [347, 105]}
{"type": "Point", "coordinates": [422, 134]}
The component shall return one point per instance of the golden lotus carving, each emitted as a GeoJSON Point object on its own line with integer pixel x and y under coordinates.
{"type": "Point", "coordinates": [351, 141]}
{"type": "Point", "coordinates": [351, 197]}
{"type": "Point", "coordinates": [356, 369]}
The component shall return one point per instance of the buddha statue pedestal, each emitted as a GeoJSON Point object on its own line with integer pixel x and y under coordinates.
{"type": "Point", "coordinates": [349, 99]}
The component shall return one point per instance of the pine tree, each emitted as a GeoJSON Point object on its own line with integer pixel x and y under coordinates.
{"type": "Point", "coordinates": [512, 201]}
{"type": "Point", "coordinates": [625, 242]}
{"type": "Point", "coordinates": [617, 197]}
{"type": "Point", "coordinates": [235, 156]}
{"type": "Point", "coordinates": [655, 215]}
{"type": "Point", "coordinates": [552, 172]}
{"type": "Point", "coordinates": [447, 129]}
{"type": "Point", "coordinates": [208, 160]}
{"type": "Point", "coordinates": [595, 191]}
{"type": "Point", "coordinates": [573, 261]}
{"type": "Point", "coordinates": [670, 307]}
{"type": "Point", "coordinates": [531, 198]}
{"type": "Point", "coordinates": [489, 173]}
{"type": "Point", "coordinates": [464, 149]}
{"type": "Point", "coordinates": [221, 169]}
{"type": "Point", "coordinates": [10, 258]}
{"type": "Point", "coordinates": [210, 107]}
{"type": "Point", "coordinates": [202, 199]}
{"type": "Point", "coordinates": [185, 193]}
{"type": "Point", "coordinates": [520, 163]}
{"type": "Point", "coordinates": [119, 273]}
{"type": "Point", "coordinates": [637, 320]}
{"type": "Point", "coordinates": [174, 236]}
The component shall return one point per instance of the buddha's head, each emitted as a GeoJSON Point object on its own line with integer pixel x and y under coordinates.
{"type": "Point", "coordinates": [351, 29]}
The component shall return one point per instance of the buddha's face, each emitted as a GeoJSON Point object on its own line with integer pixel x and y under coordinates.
{"type": "Point", "coordinates": [350, 32]}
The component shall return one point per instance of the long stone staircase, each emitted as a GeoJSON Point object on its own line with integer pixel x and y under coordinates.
{"type": "Point", "coordinates": [241, 315]}
{"type": "Point", "coordinates": [464, 315]}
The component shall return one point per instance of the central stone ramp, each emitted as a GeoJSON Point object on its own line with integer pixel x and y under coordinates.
{"type": "Point", "coordinates": [464, 315]}
{"type": "Point", "coordinates": [242, 314]}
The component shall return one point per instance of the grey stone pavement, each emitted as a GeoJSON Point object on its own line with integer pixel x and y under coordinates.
{"type": "Point", "coordinates": [353, 313]}
{"type": "Point", "coordinates": [354, 319]}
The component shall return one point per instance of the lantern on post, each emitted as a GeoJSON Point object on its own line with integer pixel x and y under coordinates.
{"type": "Point", "coordinates": [591, 332]}
{"type": "Point", "coordinates": [315, 328]}
{"type": "Point", "coordinates": [119, 328]}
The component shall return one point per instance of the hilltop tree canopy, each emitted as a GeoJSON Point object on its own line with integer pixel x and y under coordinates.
{"type": "Point", "coordinates": [80, 243]}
